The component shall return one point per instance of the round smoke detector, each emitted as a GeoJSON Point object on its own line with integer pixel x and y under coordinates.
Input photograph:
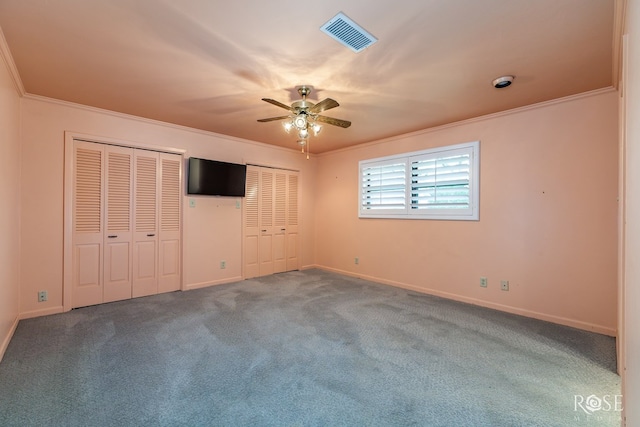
{"type": "Point", "coordinates": [503, 81]}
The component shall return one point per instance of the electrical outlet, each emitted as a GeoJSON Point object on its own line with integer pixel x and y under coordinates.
{"type": "Point", "coordinates": [356, 261]}
{"type": "Point", "coordinates": [223, 265]}
{"type": "Point", "coordinates": [483, 282]}
{"type": "Point", "coordinates": [42, 296]}
{"type": "Point", "coordinates": [504, 285]}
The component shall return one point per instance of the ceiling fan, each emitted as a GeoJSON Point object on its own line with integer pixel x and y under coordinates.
{"type": "Point", "coordinates": [304, 115]}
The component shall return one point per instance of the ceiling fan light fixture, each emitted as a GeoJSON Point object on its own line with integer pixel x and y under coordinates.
{"type": "Point", "coordinates": [300, 121]}
{"type": "Point", "coordinates": [304, 115]}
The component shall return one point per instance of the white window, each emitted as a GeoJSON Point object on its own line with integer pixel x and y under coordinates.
{"type": "Point", "coordinates": [383, 185]}
{"type": "Point", "coordinates": [440, 183]}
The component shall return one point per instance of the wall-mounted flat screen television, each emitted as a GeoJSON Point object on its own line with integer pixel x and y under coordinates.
{"type": "Point", "coordinates": [214, 178]}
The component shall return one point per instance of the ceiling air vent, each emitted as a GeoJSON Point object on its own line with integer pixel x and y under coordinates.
{"type": "Point", "coordinates": [348, 33]}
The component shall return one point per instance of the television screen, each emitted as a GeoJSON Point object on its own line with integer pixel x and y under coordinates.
{"type": "Point", "coordinates": [214, 178]}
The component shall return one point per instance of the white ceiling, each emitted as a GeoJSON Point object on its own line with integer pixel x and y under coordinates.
{"type": "Point", "coordinates": [206, 64]}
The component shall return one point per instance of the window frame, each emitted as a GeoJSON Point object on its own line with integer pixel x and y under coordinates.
{"type": "Point", "coordinates": [408, 211]}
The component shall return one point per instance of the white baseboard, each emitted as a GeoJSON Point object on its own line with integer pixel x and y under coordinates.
{"type": "Point", "coordinates": [578, 324]}
{"type": "Point", "coordinates": [7, 339]}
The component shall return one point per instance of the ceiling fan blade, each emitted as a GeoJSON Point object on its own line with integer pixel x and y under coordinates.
{"type": "Point", "coordinates": [271, 119]}
{"type": "Point", "coordinates": [277, 103]}
{"type": "Point", "coordinates": [332, 121]}
{"type": "Point", "coordinates": [324, 105]}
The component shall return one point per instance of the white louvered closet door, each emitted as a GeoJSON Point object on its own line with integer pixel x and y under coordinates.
{"type": "Point", "coordinates": [270, 220]}
{"type": "Point", "coordinates": [87, 224]}
{"type": "Point", "coordinates": [145, 214]}
{"type": "Point", "coordinates": [265, 254]}
{"type": "Point", "coordinates": [280, 222]}
{"type": "Point", "coordinates": [126, 224]}
{"type": "Point", "coordinates": [292, 235]}
{"type": "Point", "coordinates": [117, 234]}
{"type": "Point", "coordinates": [251, 222]}
{"type": "Point", "coordinates": [170, 220]}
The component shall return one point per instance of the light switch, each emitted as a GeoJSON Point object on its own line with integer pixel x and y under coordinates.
{"type": "Point", "coordinates": [192, 203]}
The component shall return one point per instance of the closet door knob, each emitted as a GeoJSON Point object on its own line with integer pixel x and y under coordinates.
{"type": "Point", "coordinates": [150, 235]}
{"type": "Point", "coordinates": [113, 236]}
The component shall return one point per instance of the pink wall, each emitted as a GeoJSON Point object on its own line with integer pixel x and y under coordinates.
{"type": "Point", "coordinates": [212, 230]}
{"type": "Point", "coordinates": [548, 216]}
{"type": "Point", "coordinates": [9, 204]}
{"type": "Point", "coordinates": [631, 321]}
{"type": "Point", "coordinates": [548, 223]}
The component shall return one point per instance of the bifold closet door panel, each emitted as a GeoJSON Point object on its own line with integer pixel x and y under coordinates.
{"type": "Point", "coordinates": [270, 221]}
{"type": "Point", "coordinates": [251, 221]}
{"type": "Point", "coordinates": [169, 275]}
{"type": "Point", "coordinates": [292, 236]}
{"type": "Point", "coordinates": [280, 222]}
{"type": "Point", "coordinates": [87, 224]}
{"type": "Point", "coordinates": [126, 225]}
{"type": "Point", "coordinates": [265, 250]}
{"type": "Point", "coordinates": [117, 235]}
{"type": "Point", "coordinates": [145, 214]}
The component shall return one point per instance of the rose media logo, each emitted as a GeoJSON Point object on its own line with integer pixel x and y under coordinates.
{"type": "Point", "coordinates": [594, 404]}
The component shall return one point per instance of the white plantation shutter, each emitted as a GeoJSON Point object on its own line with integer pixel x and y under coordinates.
{"type": "Point", "coordinates": [383, 186]}
{"type": "Point", "coordinates": [440, 183]}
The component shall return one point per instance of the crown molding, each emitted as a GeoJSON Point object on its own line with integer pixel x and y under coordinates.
{"type": "Point", "coordinates": [491, 116]}
{"type": "Point", "coordinates": [145, 120]}
{"type": "Point", "coordinates": [619, 20]}
{"type": "Point", "coordinates": [5, 52]}
{"type": "Point", "coordinates": [505, 113]}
